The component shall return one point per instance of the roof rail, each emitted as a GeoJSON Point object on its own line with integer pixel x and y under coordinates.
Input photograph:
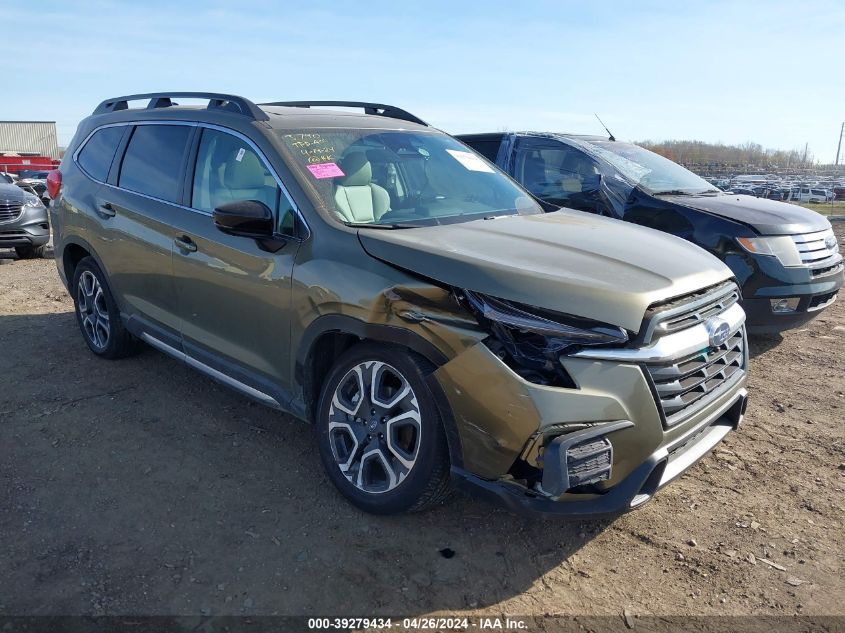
{"type": "Point", "coordinates": [379, 109]}
{"type": "Point", "coordinates": [216, 101]}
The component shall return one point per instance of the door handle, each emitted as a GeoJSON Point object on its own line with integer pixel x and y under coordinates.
{"type": "Point", "coordinates": [105, 210]}
{"type": "Point", "coordinates": [186, 244]}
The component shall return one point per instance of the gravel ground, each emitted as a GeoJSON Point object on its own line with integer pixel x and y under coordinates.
{"type": "Point", "coordinates": [141, 487]}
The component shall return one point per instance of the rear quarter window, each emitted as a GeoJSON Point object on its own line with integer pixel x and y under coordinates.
{"type": "Point", "coordinates": [152, 164]}
{"type": "Point", "coordinates": [97, 154]}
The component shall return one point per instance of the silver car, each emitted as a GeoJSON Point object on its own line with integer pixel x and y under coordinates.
{"type": "Point", "coordinates": [23, 222]}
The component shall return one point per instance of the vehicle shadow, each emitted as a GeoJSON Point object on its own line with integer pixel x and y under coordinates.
{"type": "Point", "coordinates": [8, 255]}
{"type": "Point", "coordinates": [170, 494]}
{"type": "Point", "coordinates": [762, 343]}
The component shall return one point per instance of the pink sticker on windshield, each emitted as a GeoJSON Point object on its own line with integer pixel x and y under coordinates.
{"type": "Point", "coordinates": [325, 170]}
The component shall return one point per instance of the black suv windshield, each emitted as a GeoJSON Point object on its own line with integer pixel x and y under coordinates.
{"type": "Point", "coordinates": [650, 171]}
{"type": "Point", "coordinates": [399, 178]}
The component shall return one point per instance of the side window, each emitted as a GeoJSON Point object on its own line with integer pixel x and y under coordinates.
{"type": "Point", "coordinates": [229, 170]}
{"type": "Point", "coordinates": [97, 154]}
{"type": "Point", "coordinates": [153, 160]}
{"type": "Point", "coordinates": [558, 174]}
{"type": "Point", "coordinates": [489, 148]}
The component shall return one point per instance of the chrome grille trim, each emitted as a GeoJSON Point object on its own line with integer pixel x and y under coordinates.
{"type": "Point", "coordinates": [669, 347]}
{"type": "Point", "coordinates": [10, 211]}
{"type": "Point", "coordinates": [813, 249]}
{"type": "Point", "coordinates": [690, 310]}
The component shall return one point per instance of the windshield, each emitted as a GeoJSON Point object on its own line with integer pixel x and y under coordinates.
{"type": "Point", "coordinates": [399, 179]}
{"type": "Point", "coordinates": [650, 171]}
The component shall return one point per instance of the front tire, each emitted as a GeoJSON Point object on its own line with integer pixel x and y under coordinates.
{"type": "Point", "coordinates": [379, 431]}
{"type": "Point", "coordinates": [97, 313]}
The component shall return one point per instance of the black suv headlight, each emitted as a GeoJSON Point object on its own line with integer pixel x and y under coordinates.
{"type": "Point", "coordinates": [530, 340]}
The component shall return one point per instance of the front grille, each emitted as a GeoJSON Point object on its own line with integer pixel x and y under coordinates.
{"type": "Point", "coordinates": [589, 462]}
{"type": "Point", "coordinates": [690, 310]}
{"type": "Point", "coordinates": [698, 378]}
{"type": "Point", "coordinates": [10, 211]}
{"type": "Point", "coordinates": [827, 270]}
{"type": "Point", "coordinates": [822, 301]}
{"type": "Point", "coordinates": [816, 247]}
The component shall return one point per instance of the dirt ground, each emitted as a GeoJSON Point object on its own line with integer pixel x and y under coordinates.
{"type": "Point", "coordinates": [141, 487]}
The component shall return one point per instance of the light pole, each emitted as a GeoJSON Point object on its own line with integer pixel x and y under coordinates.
{"type": "Point", "coordinates": [839, 146]}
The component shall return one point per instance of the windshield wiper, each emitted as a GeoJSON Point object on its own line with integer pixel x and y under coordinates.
{"type": "Point", "coordinates": [373, 225]}
{"type": "Point", "coordinates": [681, 192]}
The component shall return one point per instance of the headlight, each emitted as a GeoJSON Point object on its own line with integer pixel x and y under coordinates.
{"type": "Point", "coordinates": [780, 246]}
{"type": "Point", "coordinates": [32, 201]}
{"type": "Point", "coordinates": [531, 340]}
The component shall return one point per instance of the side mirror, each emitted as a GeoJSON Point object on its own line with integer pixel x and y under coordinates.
{"type": "Point", "coordinates": [244, 218]}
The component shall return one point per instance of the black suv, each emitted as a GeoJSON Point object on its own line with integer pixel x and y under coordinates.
{"type": "Point", "coordinates": [785, 257]}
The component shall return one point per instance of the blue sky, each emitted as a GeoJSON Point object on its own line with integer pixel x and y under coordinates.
{"type": "Point", "coordinates": [769, 72]}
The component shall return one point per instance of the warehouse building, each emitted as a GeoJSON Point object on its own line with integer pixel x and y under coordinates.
{"type": "Point", "coordinates": [29, 138]}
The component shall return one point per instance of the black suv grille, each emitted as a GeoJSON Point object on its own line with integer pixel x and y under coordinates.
{"type": "Point", "coordinates": [822, 301]}
{"type": "Point", "coordinates": [10, 211]}
{"type": "Point", "coordinates": [697, 378]}
{"type": "Point", "coordinates": [814, 247]}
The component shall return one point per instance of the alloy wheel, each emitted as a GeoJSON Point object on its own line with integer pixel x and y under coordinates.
{"type": "Point", "coordinates": [374, 427]}
{"type": "Point", "coordinates": [93, 312]}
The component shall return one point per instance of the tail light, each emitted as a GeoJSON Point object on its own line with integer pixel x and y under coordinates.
{"type": "Point", "coordinates": [54, 183]}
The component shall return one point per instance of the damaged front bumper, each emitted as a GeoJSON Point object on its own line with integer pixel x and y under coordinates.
{"type": "Point", "coordinates": [657, 470]}
{"type": "Point", "coordinates": [606, 445]}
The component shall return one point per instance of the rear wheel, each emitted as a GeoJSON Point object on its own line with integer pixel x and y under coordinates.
{"type": "Point", "coordinates": [379, 432]}
{"type": "Point", "coordinates": [30, 251]}
{"type": "Point", "coordinates": [97, 313]}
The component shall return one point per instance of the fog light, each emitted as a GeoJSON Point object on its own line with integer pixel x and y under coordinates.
{"type": "Point", "coordinates": [785, 305]}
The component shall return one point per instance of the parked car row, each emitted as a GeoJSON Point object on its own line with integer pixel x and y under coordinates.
{"type": "Point", "coordinates": [437, 322]}
{"type": "Point", "coordinates": [793, 189]}
{"type": "Point", "coordinates": [32, 181]}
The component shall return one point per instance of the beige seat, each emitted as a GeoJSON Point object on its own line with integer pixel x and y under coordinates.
{"type": "Point", "coordinates": [357, 198]}
{"type": "Point", "coordinates": [571, 184]}
{"type": "Point", "coordinates": [245, 179]}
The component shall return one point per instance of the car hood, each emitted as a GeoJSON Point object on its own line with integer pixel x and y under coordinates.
{"type": "Point", "coordinates": [768, 217]}
{"type": "Point", "coordinates": [11, 193]}
{"type": "Point", "coordinates": [568, 261]}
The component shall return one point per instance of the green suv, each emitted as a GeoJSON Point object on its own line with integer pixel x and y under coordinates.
{"type": "Point", "coordinates": [373, 276]}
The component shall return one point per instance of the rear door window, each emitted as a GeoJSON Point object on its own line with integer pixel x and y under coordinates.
{"type": "Point", "coordinates": [97, 154]}
{"type": "Point", "coordinates": [153, 161]}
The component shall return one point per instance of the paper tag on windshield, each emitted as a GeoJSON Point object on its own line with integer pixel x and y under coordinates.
{"type": "Point", "coordinates": [240, 155]}
{"type": "Point", "coordinates": [325, 170]}
{"type": "Point", "coordinates": [471, 161]}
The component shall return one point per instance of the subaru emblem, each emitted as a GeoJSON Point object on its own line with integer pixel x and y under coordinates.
{"type": "Point", "coordinates": [718, 330]}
